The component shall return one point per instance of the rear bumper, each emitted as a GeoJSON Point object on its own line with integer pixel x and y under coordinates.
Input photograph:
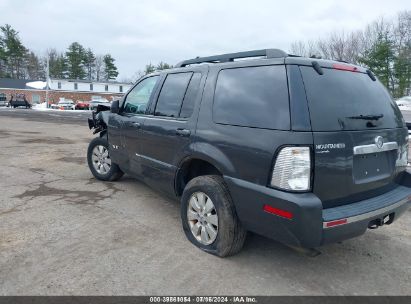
{"type": "Point", "coordinates": [311, 225]}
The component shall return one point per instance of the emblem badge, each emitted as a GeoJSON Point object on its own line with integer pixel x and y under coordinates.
{"type": "Point", "coordinates": [379, 142]}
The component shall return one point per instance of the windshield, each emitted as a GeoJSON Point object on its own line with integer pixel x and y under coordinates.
{"type": "Point", "coordinates": [344, 100]}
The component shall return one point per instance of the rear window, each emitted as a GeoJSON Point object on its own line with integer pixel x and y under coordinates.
{"type": "Point", "coordinates": [252, 97]}
{"type": "Point", "coordinates": [339, 100]}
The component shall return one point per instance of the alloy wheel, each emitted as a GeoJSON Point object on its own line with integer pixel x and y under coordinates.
{"type": "Point", "coordinates": [202, 218]}
{"type": "Point", "coordinates": [101, 159]}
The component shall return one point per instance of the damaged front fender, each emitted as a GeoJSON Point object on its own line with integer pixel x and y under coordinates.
{"type": "Point", "coordinates": [99, 119]}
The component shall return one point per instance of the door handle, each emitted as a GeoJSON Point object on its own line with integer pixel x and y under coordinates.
{"type": "Point", "coordinates": [183, 132]}
{"type": "Point", "coordinates": [134, 124]}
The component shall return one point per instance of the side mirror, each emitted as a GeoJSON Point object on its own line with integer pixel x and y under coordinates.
{"type": "Point", "coordinates": [115, 107]}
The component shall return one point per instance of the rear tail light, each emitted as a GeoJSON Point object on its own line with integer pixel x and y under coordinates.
{"type": "Point", "coordinates": [292, 169]}
{"type": "Point", "coordinates": [402, 158]}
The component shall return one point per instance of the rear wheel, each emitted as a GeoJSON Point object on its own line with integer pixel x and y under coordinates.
{"type": "Point", "coordinates": [99, 161]}
{"type": "Point", "coordinates": [209, 218]}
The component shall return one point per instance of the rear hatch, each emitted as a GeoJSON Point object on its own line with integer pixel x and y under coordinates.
{"type": "Point", "coordinates": [360, 138]}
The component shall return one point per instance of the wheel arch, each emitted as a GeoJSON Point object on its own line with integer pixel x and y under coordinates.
{"type": "Point", "coordinates": [210, 161]}
{"type": "Point", "coordinates": [104, 134]}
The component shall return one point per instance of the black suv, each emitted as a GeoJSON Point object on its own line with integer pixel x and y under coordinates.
{"type": "Point", "coordinates": [19, 101]}
{"type": "Point", "coordinates": [301, 150]}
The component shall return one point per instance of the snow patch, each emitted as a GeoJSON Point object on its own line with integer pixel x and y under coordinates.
{"type": "Point", "coordinates": [37, 84]}
{"type": "Point", "coordinates": [41, 107]}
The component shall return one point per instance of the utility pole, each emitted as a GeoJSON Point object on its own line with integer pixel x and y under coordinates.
{"type": "Point", "coordinates": [47, 80]}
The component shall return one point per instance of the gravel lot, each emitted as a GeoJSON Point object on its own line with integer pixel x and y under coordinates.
{"type": "Point", "coordinates": [64, 233]}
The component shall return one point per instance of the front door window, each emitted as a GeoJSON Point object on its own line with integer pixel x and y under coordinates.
{"type": "Point", "coordinates": [137, 100]}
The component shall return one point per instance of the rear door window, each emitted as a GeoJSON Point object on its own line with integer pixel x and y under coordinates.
{"type": "Point", "coordinates": [344, 100]}
{"type": "Point", "coordinates": [252, 97]}
{"type": "Point", "coordinates": [172, 94]}
{"type": "Point", "coordinates": [191, 96]}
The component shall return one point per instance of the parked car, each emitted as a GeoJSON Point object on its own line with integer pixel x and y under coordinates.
{"type": "Point", "coordinates": [82, 105]}
{"type": "Point", "coordinates": [96, 102]}
{"type": "Point", "coordinates": [3, 100]}
{"type": "Point", "coordinates": [404, 103]}
{"type": "Point", "coordinates": [301, 150]}
{"type": "Point", "coordinates": [19, 100]}
{"type": "Point", "coordinates": [64, 104]}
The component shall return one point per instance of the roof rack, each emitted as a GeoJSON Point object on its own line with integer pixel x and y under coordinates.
{"type": "Point", "coordinates": [267, 53]}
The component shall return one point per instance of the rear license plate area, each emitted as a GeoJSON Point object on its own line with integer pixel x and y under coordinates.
{"type": "Point", "coordinates": [373, 166]}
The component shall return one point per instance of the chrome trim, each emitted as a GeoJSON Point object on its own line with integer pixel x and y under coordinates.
{"type": "Point", "coordinates": [156, 161]}
{"type": "Point", "coordinates": [366, 149]}
{"type": "Point", "coordinates": [367, 215]}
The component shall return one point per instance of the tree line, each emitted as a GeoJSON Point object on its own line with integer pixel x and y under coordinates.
{"type": "Point", "coordinates": [384, 46]}
{"type": "Point", "coordinates": [77, 62]}
{"type": "Point", "coordinates": [149, 68]}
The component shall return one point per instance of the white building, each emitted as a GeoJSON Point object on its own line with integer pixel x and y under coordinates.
{"type": "Point", "coordinates": [87, 86]}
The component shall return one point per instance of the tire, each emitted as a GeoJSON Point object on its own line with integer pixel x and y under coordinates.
{"type": "Point", "coordinates": [230, 233]}
{"type": "Point", "coordinates": [113, 173]}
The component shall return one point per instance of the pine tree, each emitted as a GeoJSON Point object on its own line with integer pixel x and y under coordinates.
{"type": "Point", "coordinates": [57, 65]}
{"type": "Point", "coordinates": [13, 53]}
{"type": "Point", "coordinates": [163, 66]}
{"type": "Point", "coordinates": [380, 58]}
{"type": "Point", "coordinates": [110, 70]}
{"type": "Point", "coordinates": [89, 63]}
{"type": "Point", "coordinates": [75, 56]}
{"type": "Point", "coordinates": [149, 69]}
{"type": "Point", "coordinates": [3, 72]}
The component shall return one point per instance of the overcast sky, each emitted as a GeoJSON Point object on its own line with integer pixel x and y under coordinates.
{"type": "Point", "coordinates": [139, 32]}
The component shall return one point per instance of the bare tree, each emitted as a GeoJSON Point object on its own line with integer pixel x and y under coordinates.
{"type": "Point", "coordinates": [137, 75]}
{"type": "Point", "coordinates": [384, 46]}
{"type": "Point", "coordinates": [298, 48]}
{"type": "Point", "coordinates": [99, 67]}
{"type": "Point", "coordinates": [308, 49]}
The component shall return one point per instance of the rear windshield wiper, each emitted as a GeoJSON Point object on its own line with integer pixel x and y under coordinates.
{"type": "Point", "coordinates": [367, 117]}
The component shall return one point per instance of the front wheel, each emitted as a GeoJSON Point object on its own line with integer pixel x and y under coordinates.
{"type": "Point", "coordinates": [99, 161]}
{"type": "Point", "coordinates": [209, 218]}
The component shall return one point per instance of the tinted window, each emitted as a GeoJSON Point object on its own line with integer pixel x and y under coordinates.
{"type": "Point", "coordinates": [138, 98]}
{"type": "Point", "coordinates": [252, 97]}
{"type": "Point", "coordinates": [337, 99]}
{"type": "Point", "coordinates": [172, 94]}
{"type": "Point", "coordinates": [190, 97]}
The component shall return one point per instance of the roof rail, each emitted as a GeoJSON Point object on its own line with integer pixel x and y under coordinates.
{"type": "Point", "coordinates": [268, 53]}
